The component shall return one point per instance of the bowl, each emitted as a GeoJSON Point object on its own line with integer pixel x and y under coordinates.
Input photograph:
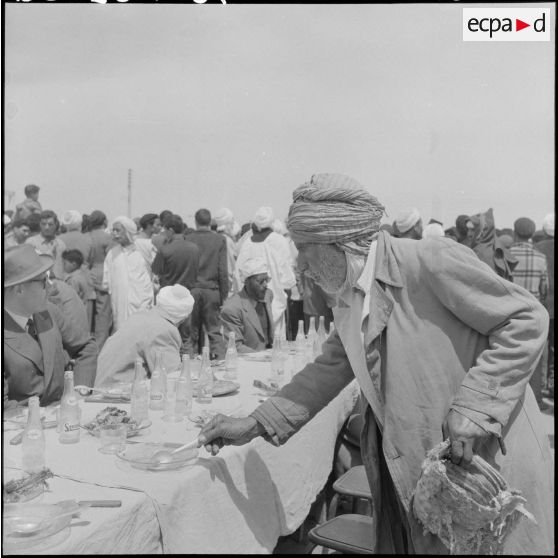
{"type": "Point", "coordinates": [140, 456]}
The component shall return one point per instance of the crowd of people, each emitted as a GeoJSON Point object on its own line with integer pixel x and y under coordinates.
{"type": "Point", "coordinates": [466, 309]}
{"type": "Point", "coordinates": [119, 270]}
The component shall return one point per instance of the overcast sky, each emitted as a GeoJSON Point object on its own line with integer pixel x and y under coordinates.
{"type": "Point", "coordinates": [236, 105]}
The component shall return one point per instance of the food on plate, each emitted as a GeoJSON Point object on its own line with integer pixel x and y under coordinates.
{"type": "Point", "coordinates": [19, 490]}
{"type": "Point", "coordinates": [272, 388]}
{"type": "Point", "coordinates": [111, 415]}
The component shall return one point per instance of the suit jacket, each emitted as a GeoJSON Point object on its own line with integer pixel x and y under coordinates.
{"type": "Point", "coordinates": [239, 315]}
{"type": "Point", "coordinates": [444, 331]}
{"type": "Point", "coordinates": [32, 368]}
{"type": "Point", "coordinates": [213, 268]}
{"type": "Point", "coordinates": [177, 262]}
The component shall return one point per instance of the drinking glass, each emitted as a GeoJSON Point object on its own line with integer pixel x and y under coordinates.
{"type": "Point", "coordinates": [113, 437]}
{"type": "Point", "coordinates": [171, 410]}
{"type": "Point", "coordinates": [195, 367]}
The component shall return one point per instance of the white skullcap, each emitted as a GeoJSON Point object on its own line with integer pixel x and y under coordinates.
{"type": "Point", "coordinates": [407, 219]}
{"type": "Point", "coordinates": [548, 224]}
{"type": "Point", "coordinates": [175, 303]}
{"type": "Point", "coordinates": [433, 230]}
{"type": "Point", "coordinates": [223, 218]}
{"type": "Point", "coordinates": [6, 219]}
{"type": "Point", "coordinates": [252, 266]}
{"type": "Point", "coordinates": [264, 217]}
{"type": "Point", "coordinates": [71, 219]}
{"type": "Point", "coordinates": [279, 227]}
{"type": "Point", "coordinates": [129, 226]}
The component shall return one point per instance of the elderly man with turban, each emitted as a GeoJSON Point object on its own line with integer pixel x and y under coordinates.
{"type": "Point", "coordinates": [143, 335]}
{"type": "Point", "coordinates": [126, 274]}
{"type": "Point", "coordinates": [248, 313]}
{"type": "Point", "coordinates": [274, 249]}
{"type": "Point", "coordinates": [442, 348]}
{"type": "Point", "coordinates": [408, 224]}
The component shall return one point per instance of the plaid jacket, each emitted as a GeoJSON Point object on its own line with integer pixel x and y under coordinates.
{"type": "Point", "coordinates": [531, 270]}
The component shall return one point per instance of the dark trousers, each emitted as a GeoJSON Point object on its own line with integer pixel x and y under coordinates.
{"type": "Point", "coordinates": [102, 317]}
{"type": "Point", "coordinates": [206, 316]}
{"type": "Point", "coordinates": [294, 313]}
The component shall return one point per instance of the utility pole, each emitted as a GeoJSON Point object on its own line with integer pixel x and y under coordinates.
{"type": "Point", "coordinates": [130, 193]}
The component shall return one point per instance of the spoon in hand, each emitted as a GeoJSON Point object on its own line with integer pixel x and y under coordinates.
{"type": "Point", "coordinates": [165, 456]}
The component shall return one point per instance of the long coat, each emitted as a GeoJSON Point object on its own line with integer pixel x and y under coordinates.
{"type": "Point", "coordinates": [444, 331]}
{"type": "Point", "coordinates": [239, 316]}
{"type": "Point", "coordinates": [32, 368]}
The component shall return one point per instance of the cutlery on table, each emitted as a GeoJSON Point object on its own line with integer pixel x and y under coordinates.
{"type": "Point", "coordinates": [165, 456]}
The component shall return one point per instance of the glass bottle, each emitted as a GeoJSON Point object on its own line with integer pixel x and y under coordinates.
{"type": "Point", "coordinates": [140, 394]}
{"type": "Point", "coordinates": [320, 338]}
{"type": "Point", "coordinates": [300, 347]}
{"type": "Point", "coordinates": [231, 359]}
{"type": "Point", "coordinates": [184, 389]}
{"type": "Point", "coordinates": [310, 339]}
{"type": "Point", "coordinates": [205, 380]}
{"type": "Point", "coordinates": [277, 361]}
{"type": "Point", "coordinates": [69, 414]}
{"type": "Point", "coordinates": [158, 383]}
{"type": "Point", "coordinates": [33, 442]}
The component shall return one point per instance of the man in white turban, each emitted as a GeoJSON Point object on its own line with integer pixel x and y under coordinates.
{"type": "Point", "coordinates": [408, 224]}
{"type": "Point", "coordinates": [441, 347]}
{"type": "Point", "coordinates": [263, 218]}
{"type": "Point", "coordinates": [142, 335]}
{"type": "Point", "coordinates": [274, 249]}
{"type": "Point", "coordinates": [433, 229]}
{"type": "Point", "coordinates": [248, 313]}
{"type": "Point", "coordinates": [126, 274]}
{"type": "Point", "coordinates": [224, 219]}
{"type": "Point", "coordinates": [71, 219]}
{"type": "Point", "coordinates": [74, 239]}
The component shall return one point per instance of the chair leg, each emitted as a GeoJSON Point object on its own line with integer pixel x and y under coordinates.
{"type": "Point", "coordinates": [333, 506]}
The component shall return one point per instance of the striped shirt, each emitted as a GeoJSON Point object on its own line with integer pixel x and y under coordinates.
{"type": "Point", "coordinates": [531, 270]}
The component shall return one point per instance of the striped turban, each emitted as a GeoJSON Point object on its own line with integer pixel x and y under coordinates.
{"type": "Point", "coordinates": [334, 209]}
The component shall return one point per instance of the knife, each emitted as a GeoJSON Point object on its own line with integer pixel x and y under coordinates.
{"type": "Point", "coordinates": [100, 503]}
{"type": "Point", "coordinates": [19, 437]}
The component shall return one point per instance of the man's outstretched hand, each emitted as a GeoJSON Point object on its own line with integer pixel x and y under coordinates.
{"type": "Point", "coordinates": [224, 431]}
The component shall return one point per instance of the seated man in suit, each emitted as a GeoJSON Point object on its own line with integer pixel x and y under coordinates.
{"type": "Point", "coordinates": [248, 313]}
{"type": "Point", "coordinates": [36, 348]}
{"type": "Point", "coordinates": [142, 335]}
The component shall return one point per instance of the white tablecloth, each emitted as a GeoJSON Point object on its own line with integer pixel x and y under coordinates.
{"type": "Point", "coordinates": [240, 501]}
{"type": "Point", "coordinates": [132, 528]}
